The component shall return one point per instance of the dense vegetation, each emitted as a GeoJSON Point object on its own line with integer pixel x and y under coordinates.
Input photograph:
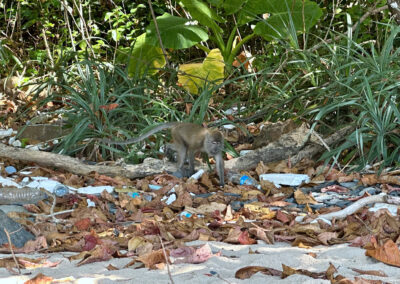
{"type": "Point", "coordinates": [110, 71]}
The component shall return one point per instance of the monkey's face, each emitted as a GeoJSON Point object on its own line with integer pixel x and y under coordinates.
{"type": "Point", "coordinates": [214, 143]}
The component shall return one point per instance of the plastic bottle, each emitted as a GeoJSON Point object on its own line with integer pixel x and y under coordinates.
{"type": "Point", "coordinates": [243, 180]}
{"type": "Point", "coordinates": [61, 190]}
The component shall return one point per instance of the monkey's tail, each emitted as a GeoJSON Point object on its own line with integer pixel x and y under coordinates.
{"type": "Point", "coordinates": [156, 129]}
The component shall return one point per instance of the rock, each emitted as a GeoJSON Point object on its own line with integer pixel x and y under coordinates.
{"type": "Point", "coordinates": [18, 235]}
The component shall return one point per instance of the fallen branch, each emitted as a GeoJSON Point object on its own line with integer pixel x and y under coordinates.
{"type": "Point", "coordinates": [150, 166]}
{"type": "Point", "coordinates": [354, 207]}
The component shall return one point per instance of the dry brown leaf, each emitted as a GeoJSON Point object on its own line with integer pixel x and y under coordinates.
{"type": "Point", "coordinates": [40, 279]}
{"type": "Point", "coordinates": [302, 198]}
{"type": "Point", "coordinates": [248, 271]}
{"type": "Point", "coordinates": [326, 236]}
{"type": "Point", "coordinates": [370, 272]}
{"type": "Point", "coordinates": [155, 257]}
{"type": "Point", "coordinates": [99, 253]}
{"type": "Point", "coordinates": [287, 271]}
{"type": "Point", "coordinates": [388, 253]}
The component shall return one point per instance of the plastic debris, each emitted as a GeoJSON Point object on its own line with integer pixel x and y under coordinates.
{"type": "Point", "coordinates": [286, 179]}
{"type": "Point", "coordinates": [21, 195]}
{"type": "Point", "coordinates": [155, 187]}
{"type": "Point", "coordinates": [10, 170]}
{"type": "Point", "coordinates": [392, 208]}
{"type": "Point", "coordinates": [243, 180]}
{"type": "Point", "coordinates": [95, 189]}
{"type": "Point", "coordinates": [197, 175]}
{"type": "Point", "coordinates": [60, 190]}
{"type": "Point", "coordinates": [6, 132]}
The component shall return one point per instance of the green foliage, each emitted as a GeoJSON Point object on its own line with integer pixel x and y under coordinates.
{"type": "Point", "coordinates": [342, 84]}
{"type": "Point", "coordinates": [286, 16]}
{"type": "Point", "coordinates": [102, 101]}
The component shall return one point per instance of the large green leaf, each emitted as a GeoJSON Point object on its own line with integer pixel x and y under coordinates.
{"type": "Point", "coordinates": [284, 13]}
{"type": "Point", "coordinates": [193, 76]}
{"type": "Point", "coordinates": [144, 58]}
{"type": "Point", "coordinates": [204, 14]}
{"type": "Point", "coordinates": [232, 6]}
{"type": "Point", "coordinates": [175, 32]}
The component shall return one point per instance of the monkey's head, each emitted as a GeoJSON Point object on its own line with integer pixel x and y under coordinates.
{"type": "Point", "coordinates": [214, 142]}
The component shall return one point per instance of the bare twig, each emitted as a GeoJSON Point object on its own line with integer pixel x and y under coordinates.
{"type": "Point", "coordinates": [166, 259]}
{"type": "Point", "coordinates": [11, 249]}
{"type": "Point", "coordinates": [158, 32]}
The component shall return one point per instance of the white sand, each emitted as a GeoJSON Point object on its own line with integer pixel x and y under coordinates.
{"type": "Point", "coordinates": [232, 259]}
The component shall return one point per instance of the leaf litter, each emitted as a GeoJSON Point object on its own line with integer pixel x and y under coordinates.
{"type": "Point", "coordinates": [151, 219]}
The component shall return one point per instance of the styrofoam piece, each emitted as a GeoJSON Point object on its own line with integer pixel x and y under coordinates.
{"type": "Point", "coordinates": [95, 189]}
{"type": "Point", "coordinates": [285, 179]}
{"type": "Point", "coordinates": [8, 182]}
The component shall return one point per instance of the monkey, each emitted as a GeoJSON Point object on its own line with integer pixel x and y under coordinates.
{"type": "Point", "coordinates": [188, 139]}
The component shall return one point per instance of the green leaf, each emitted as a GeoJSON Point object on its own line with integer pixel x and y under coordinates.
{"type": "Point", "coordinates": [287, 14]}
{"type": "Point", "coordinates": [144, 58]}
{"type": "Point", "coordinates": [175, 32]}
{"type": "Point", "coordinates": [232, 6]}
{"type": "Point", "coordinates": [199, 75]}
{"type": "Point", "coordinates": [202, 13]}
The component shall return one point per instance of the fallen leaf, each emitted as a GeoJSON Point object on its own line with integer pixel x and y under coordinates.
{"type": "Point", "coordinates": [40, 279]}
{"type": "Point", "coordinates": [326, 236]}
{"type": "Point", "coordinates": [335, 188]}
{"type": "Point", "coordinates": [388, 253]}
{"type": "Point", "coordinates": [302, 198]}
{"type": "Point", "coordinates": [192, 254]}
{"type": "Point", "coordinates": [155, 257]}
{"type": "Point", "coordinates": [248, 271]}
{"type": "Point", "coordinates": [370, 272]}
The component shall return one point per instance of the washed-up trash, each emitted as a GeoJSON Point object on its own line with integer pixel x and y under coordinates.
{"type": "Point", "coordinates": [185, 214]}
{"type": "Point", "coordinates": [198, 174]}
{"type": "Point", "coordinates": [23, 195]}
{"type": "Point", "coordinates": [171, 198]}
{"type": "Point", "coordinates": [243, 180]}
{"type": "Point", "coordinates": [6, 132]}
{"type": "Point", "coordinates": [61, 190]}
{"type": "Point", "coordinates": [154, 186]}
{"type": "Point", "coordinates": [286, 179]}
{"type": "Point", "coordinates": [10, 170]}
{"type": "Point", "coordinates": [392, 208]}
{"type": "Point", "coordinates": [95, 189]}
{"type": "Point", "coordinates": [90, 203]}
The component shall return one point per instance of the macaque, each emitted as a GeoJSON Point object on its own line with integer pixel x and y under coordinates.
{"type": "Point", "coordinates": [188, 139]}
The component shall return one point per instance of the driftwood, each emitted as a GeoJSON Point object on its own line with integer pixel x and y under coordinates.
{"type": "Point", "coordinates": [73, 165]}
{"type": "Point", "coordinates": [379, 198]}
{"type": "Point", "coordinates": [291, 145]}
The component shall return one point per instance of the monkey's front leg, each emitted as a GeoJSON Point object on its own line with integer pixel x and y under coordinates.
{"type": "Point", "coordinates": [219, 161]}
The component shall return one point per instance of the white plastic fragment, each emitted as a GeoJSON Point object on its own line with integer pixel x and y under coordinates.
{"type": "Point", "coordinates": [8, 182]}
{"type": "Point", "coordinates": [6, 132]}
{"type": "Point", "coordinates": [229, 126]}
{"type": "Point", "coordinates": [392, 208]}
{"type": "Point", "coordinates": [16, 143]}
{"type": "Point", "coordinates": [90, 203]}
{"type": "Point", "coordinates": [95, 189]}
{"type": "Point", "coordinates": [285, 179]}
{"type": "Point", "coordinates": [197, 175]}
{"type": "Point", "coordinates": [154, 186]}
